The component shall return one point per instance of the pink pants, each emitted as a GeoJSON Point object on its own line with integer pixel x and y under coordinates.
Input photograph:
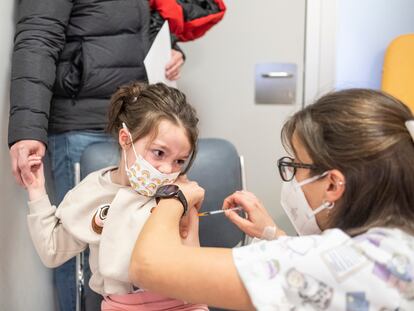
{"type": "Point", "coordinates": [147, 301]}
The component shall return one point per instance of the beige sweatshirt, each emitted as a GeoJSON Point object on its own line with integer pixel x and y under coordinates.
{"type": "Point", "coordinates": [60, 234]}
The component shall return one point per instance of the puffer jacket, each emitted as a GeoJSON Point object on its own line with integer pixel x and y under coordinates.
{"type": "Point", "coordinates": [70, 56]}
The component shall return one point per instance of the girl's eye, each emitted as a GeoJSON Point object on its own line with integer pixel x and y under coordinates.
{"type": "Point", "coordinates": [180, 162]}
{"type": "Point", "coordinates": [158, 153]}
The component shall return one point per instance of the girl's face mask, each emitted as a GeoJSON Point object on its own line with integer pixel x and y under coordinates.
{"type": "Point", "coordinates": [143, 177]}
{"type": "Point", "coordinates": [297, 208]}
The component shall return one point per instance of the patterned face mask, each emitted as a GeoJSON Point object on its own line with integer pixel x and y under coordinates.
{"type": "Point", "coordinates": [143, 177]}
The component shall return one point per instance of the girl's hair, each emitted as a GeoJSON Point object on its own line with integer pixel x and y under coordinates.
{"type": "Point", "coordinates": [361, 133]}
{"type": "Point", "coordinates": [142, 107]}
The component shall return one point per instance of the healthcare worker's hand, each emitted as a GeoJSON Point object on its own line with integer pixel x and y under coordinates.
{"type": "Point", "coordinates": [189, 228]}
{"type": "Point", "coordinates": [172, 70]}
{"type": "Point", "coordinates": [258, 221]}
{"type": "Point", "coordinates": [193, 193]}
{"type": "Point", "coordinates": [34, 180]}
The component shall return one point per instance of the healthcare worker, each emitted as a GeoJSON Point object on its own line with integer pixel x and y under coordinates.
{"type": "Point", "coordinates": [348, 188]}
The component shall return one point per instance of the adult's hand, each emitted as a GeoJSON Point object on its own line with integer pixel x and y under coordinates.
{"type": "Point", "coordinates": [194, 195]}
{"type": "Point", "coordinates": [192, 192]}
{"type": "Point", "coordinates": [257, 216]}
{"type": "Point", "coordinates": [172, 70]}
{"type": "Point", "coordinates": [189, 228]}
{"type": "Point", "coordinates": [19, 154]}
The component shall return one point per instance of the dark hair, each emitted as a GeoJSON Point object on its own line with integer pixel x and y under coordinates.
{"type": "Point", "coordinates": [361, 133]}
{"type": "Point", "coordinates": [143, 106]}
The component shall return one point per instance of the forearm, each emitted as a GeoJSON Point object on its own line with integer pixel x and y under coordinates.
{"type": "Point", "coordinates": [36, 193]}
{"type": "Point", "coordinates": [52, 242]}
{"type": "Point", "coordinates": [198, 275]}
{"type": "Point", "coordinates": [160, 235]}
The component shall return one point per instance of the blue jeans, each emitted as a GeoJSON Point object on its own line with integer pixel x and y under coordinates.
{"type": "Point", "coordinates": [65, 150]}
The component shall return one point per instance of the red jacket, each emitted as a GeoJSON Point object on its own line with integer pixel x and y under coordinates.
{"type": "Point", "coordinates": [188, 20]}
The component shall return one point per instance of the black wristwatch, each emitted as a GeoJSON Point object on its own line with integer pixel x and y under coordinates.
{"type": "Point", "coordinates": [171, 191]}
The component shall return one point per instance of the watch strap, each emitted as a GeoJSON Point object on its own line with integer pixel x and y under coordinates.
{"type": "Point", "coordinates": [179, 195]}
{"type": "Point", "coordinates": [183, 200]}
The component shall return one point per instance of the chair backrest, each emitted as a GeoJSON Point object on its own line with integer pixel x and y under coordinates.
{"type": "Point", "coordinates": [97, 156]}
{"type": "Point", "coordinates": [398, 69]}
{"type": "Point", "coordinates": [217, 168]}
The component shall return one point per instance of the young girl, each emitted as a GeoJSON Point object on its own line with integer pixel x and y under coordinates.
{"type": "Point", "coordinates": [157, 133]}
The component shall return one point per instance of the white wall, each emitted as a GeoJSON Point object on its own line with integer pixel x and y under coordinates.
{"type": "Point", "coordinates": [24, 283]}
{"type": "Point", "coordinates": [218, 78]}
{"type": "Point", "coordinates": [365, 28]}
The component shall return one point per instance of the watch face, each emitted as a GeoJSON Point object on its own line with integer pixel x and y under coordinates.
{"type": "Point", "coordinates": [166, 190]}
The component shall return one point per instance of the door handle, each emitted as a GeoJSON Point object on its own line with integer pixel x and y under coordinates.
{"type": "Point", "coordinates": [277, 74]}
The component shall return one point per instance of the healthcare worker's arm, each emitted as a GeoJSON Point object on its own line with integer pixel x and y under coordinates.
{"type": "Point", "coordinates": [199, 275]}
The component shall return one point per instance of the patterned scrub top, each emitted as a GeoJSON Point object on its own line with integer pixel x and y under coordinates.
{"type": "Point", "coordinates": [331, 271]}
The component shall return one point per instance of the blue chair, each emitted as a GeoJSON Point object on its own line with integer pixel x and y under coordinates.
{"type": "Point", "coordinates": [217, 168]}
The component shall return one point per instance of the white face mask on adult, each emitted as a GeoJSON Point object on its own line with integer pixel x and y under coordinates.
{"type": "Point", "coordinates": [297, 208]}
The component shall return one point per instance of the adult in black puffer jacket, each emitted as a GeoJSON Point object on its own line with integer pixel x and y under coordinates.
{"type": "Point", "coordinates": [69, 57]}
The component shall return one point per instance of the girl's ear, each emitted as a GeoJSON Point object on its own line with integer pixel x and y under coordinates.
{"type": "Point", "coordinates": [124, 139]}
{"type": "Point", "coordinates": [336, 187]}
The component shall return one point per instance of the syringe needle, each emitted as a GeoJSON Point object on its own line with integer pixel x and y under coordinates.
{"type": "Point", "coordinates": [219, 211]}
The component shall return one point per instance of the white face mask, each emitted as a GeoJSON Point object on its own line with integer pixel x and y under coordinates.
{"type": "Point", "coordinates": [143, 177]}
{"type": "Point", "coordinates": [297, 208]}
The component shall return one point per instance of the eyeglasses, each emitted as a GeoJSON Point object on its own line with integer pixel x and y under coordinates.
{"type": "Point", "coordinates": [287, 168]}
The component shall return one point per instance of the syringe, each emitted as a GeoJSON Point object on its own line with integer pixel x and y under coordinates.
{"type": "Point", "coordinates": [219, 211]}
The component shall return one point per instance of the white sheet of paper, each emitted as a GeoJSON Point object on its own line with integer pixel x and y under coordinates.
{"type": "Point", "coordinates": [158, 57]}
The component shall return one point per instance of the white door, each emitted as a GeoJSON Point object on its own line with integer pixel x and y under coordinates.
{"type": "Point", "coordinates": [219, 80]}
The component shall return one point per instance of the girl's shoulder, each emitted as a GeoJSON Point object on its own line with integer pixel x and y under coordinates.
{"type": "Point", "coordinates": [97, 176]}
